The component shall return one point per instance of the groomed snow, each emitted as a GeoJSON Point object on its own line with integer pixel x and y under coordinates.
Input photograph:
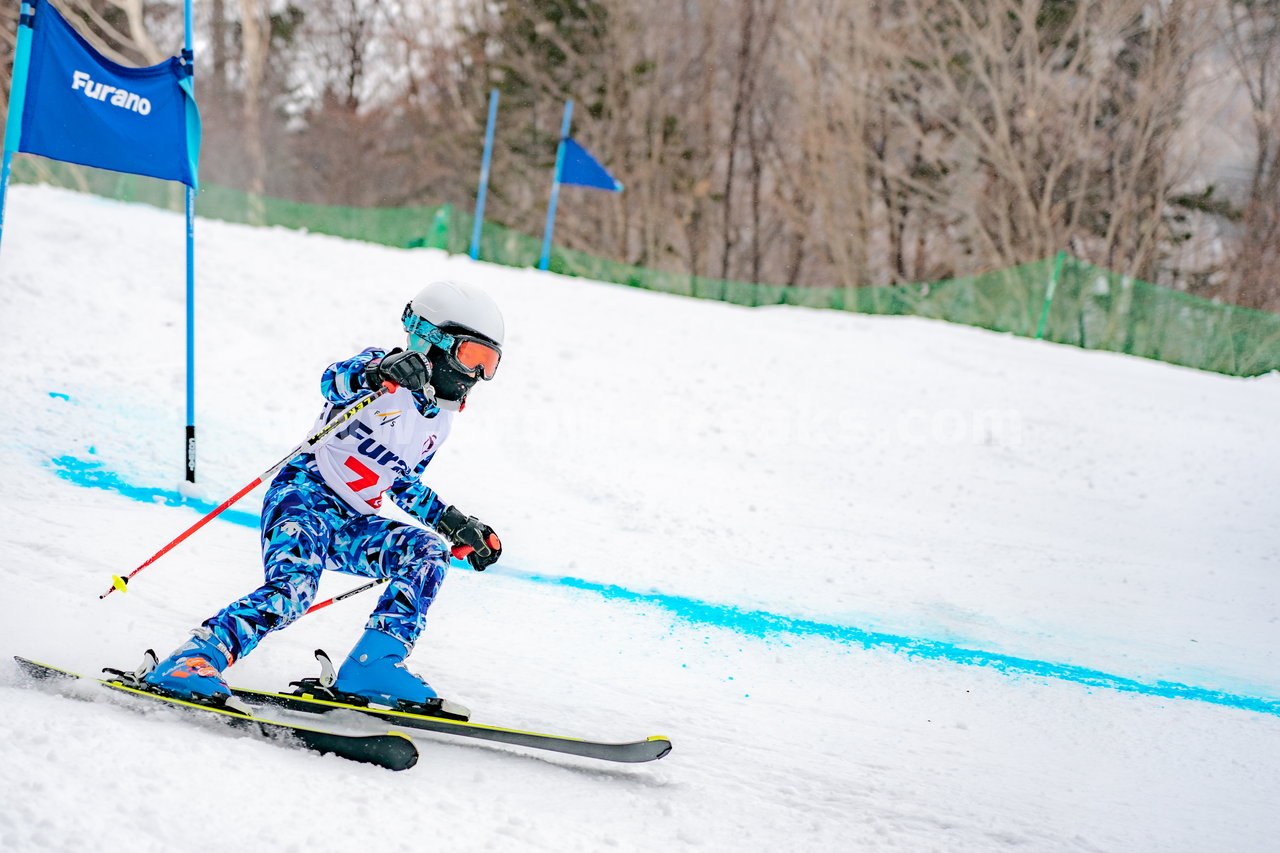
{"type": "Point", "coordinates": [774, 535]}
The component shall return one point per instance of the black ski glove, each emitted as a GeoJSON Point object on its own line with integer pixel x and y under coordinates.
{"type": "Point", "coordinates": [407, 369]}
{"type": "Point", "coordinates": [472, 538]}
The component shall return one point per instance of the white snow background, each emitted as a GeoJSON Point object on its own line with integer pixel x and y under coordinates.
{"type": "Point", "coordinates": [796, 542]}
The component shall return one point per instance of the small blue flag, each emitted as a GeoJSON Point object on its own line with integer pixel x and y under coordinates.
{"type": "Point", "coordinates": [81, 107]}
{"type": "Point", "coordinates": [581, 169]}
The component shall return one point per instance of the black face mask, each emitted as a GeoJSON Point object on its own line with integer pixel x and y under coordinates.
{"type": "Point", "coordinates": [449, 383]}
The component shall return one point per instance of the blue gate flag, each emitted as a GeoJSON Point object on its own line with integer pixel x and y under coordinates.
{"type": "Point", "coordinates": [581, 169]}
{"type": "Point", "coordinates": [81, 107]}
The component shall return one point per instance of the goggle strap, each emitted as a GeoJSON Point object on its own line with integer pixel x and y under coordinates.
{"type": "Point", "coordinates": [415, 325]}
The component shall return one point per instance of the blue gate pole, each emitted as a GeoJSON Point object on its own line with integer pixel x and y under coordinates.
{"type": "Point", "coordinates": [17, 103]}
{"type": "Point", "coordinates": [484, 173]}
{"type": "Point", "coordinates": [191, 335]}
{"type": "Point", "coordinates": [555, 188]}
{"type": "Point", "coordinates": [191, 277]}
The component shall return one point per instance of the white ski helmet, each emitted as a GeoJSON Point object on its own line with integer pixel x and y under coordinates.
{"type": "Point", "coordinates": [453, 303]}
{"type": "Point", "coordinates": [461, 331]}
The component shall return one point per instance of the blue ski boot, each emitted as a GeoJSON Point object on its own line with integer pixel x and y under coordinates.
{"type": "Point", "coordinates": [375, 670]}
{"type": "Point", "coordinates": [193, 671]}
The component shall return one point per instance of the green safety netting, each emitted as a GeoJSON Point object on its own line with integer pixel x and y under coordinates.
{"type": "Point", "coordinates": [390, 226]}
{"type": "Point", "coordinates": [1061, 299]}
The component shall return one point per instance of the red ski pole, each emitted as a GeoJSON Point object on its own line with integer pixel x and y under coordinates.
{"type": "Point", "coordinates": [325, 433]}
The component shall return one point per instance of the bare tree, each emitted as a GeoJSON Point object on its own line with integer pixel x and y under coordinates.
{"type": "Point", "coordinates": [1252, 37]}
{"type": "Point", "coordinates": [829, 143]}
{"type": "Point", "coordinates": [755, 32]}
{"type": "Point", "coordinates": [1028, 134]}
{"type": "Point", "coordinates": [256, 38]}
{"type": "Point", "coordinates": [8, 43]}
{"type": "Point", "coordinates": [830, 183]}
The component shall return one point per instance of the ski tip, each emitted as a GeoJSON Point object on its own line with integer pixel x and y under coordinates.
{"type": "Point", "coordinates": [120, 583]}
{"type": "Point", "coordinates": [661, 740]}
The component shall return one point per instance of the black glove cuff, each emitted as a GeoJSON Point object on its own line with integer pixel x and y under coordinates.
{"type": "Point", "coordinates": [451, 521]}
{"type": "Point", "coordinates": [372, 375]}
{"type": "Point", "coordinates": [373, 371]}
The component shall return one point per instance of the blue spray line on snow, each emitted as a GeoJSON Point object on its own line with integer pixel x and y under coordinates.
{"type": "Point", "coordinates": [753, 623]}
{"type": "Point", "coordinates": [763, 624]}
{"type": "Point", "coordinates": [93, 474]}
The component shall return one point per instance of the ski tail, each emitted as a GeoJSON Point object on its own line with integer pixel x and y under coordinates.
{"type": "Point", "coordinates": [392, 750]}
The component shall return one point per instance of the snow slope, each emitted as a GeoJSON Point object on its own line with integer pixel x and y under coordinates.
{"type": "Point", "coordinates": [888, 584]}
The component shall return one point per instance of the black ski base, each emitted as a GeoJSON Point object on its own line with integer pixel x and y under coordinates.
{"type": "Point", "coordinates": [392, 750]}
{"type": "Point", "coordinates": [649, 749]}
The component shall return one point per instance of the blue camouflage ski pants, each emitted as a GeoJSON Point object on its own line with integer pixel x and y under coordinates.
{"type": "Point", "coordinates": [307, 529]}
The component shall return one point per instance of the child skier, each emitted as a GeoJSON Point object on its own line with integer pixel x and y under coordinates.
{"type": "Point", "coordinates": [320, 511]}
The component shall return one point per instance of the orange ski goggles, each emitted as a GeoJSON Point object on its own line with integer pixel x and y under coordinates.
{"type": "Point", "coordinates": [470, 354]}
